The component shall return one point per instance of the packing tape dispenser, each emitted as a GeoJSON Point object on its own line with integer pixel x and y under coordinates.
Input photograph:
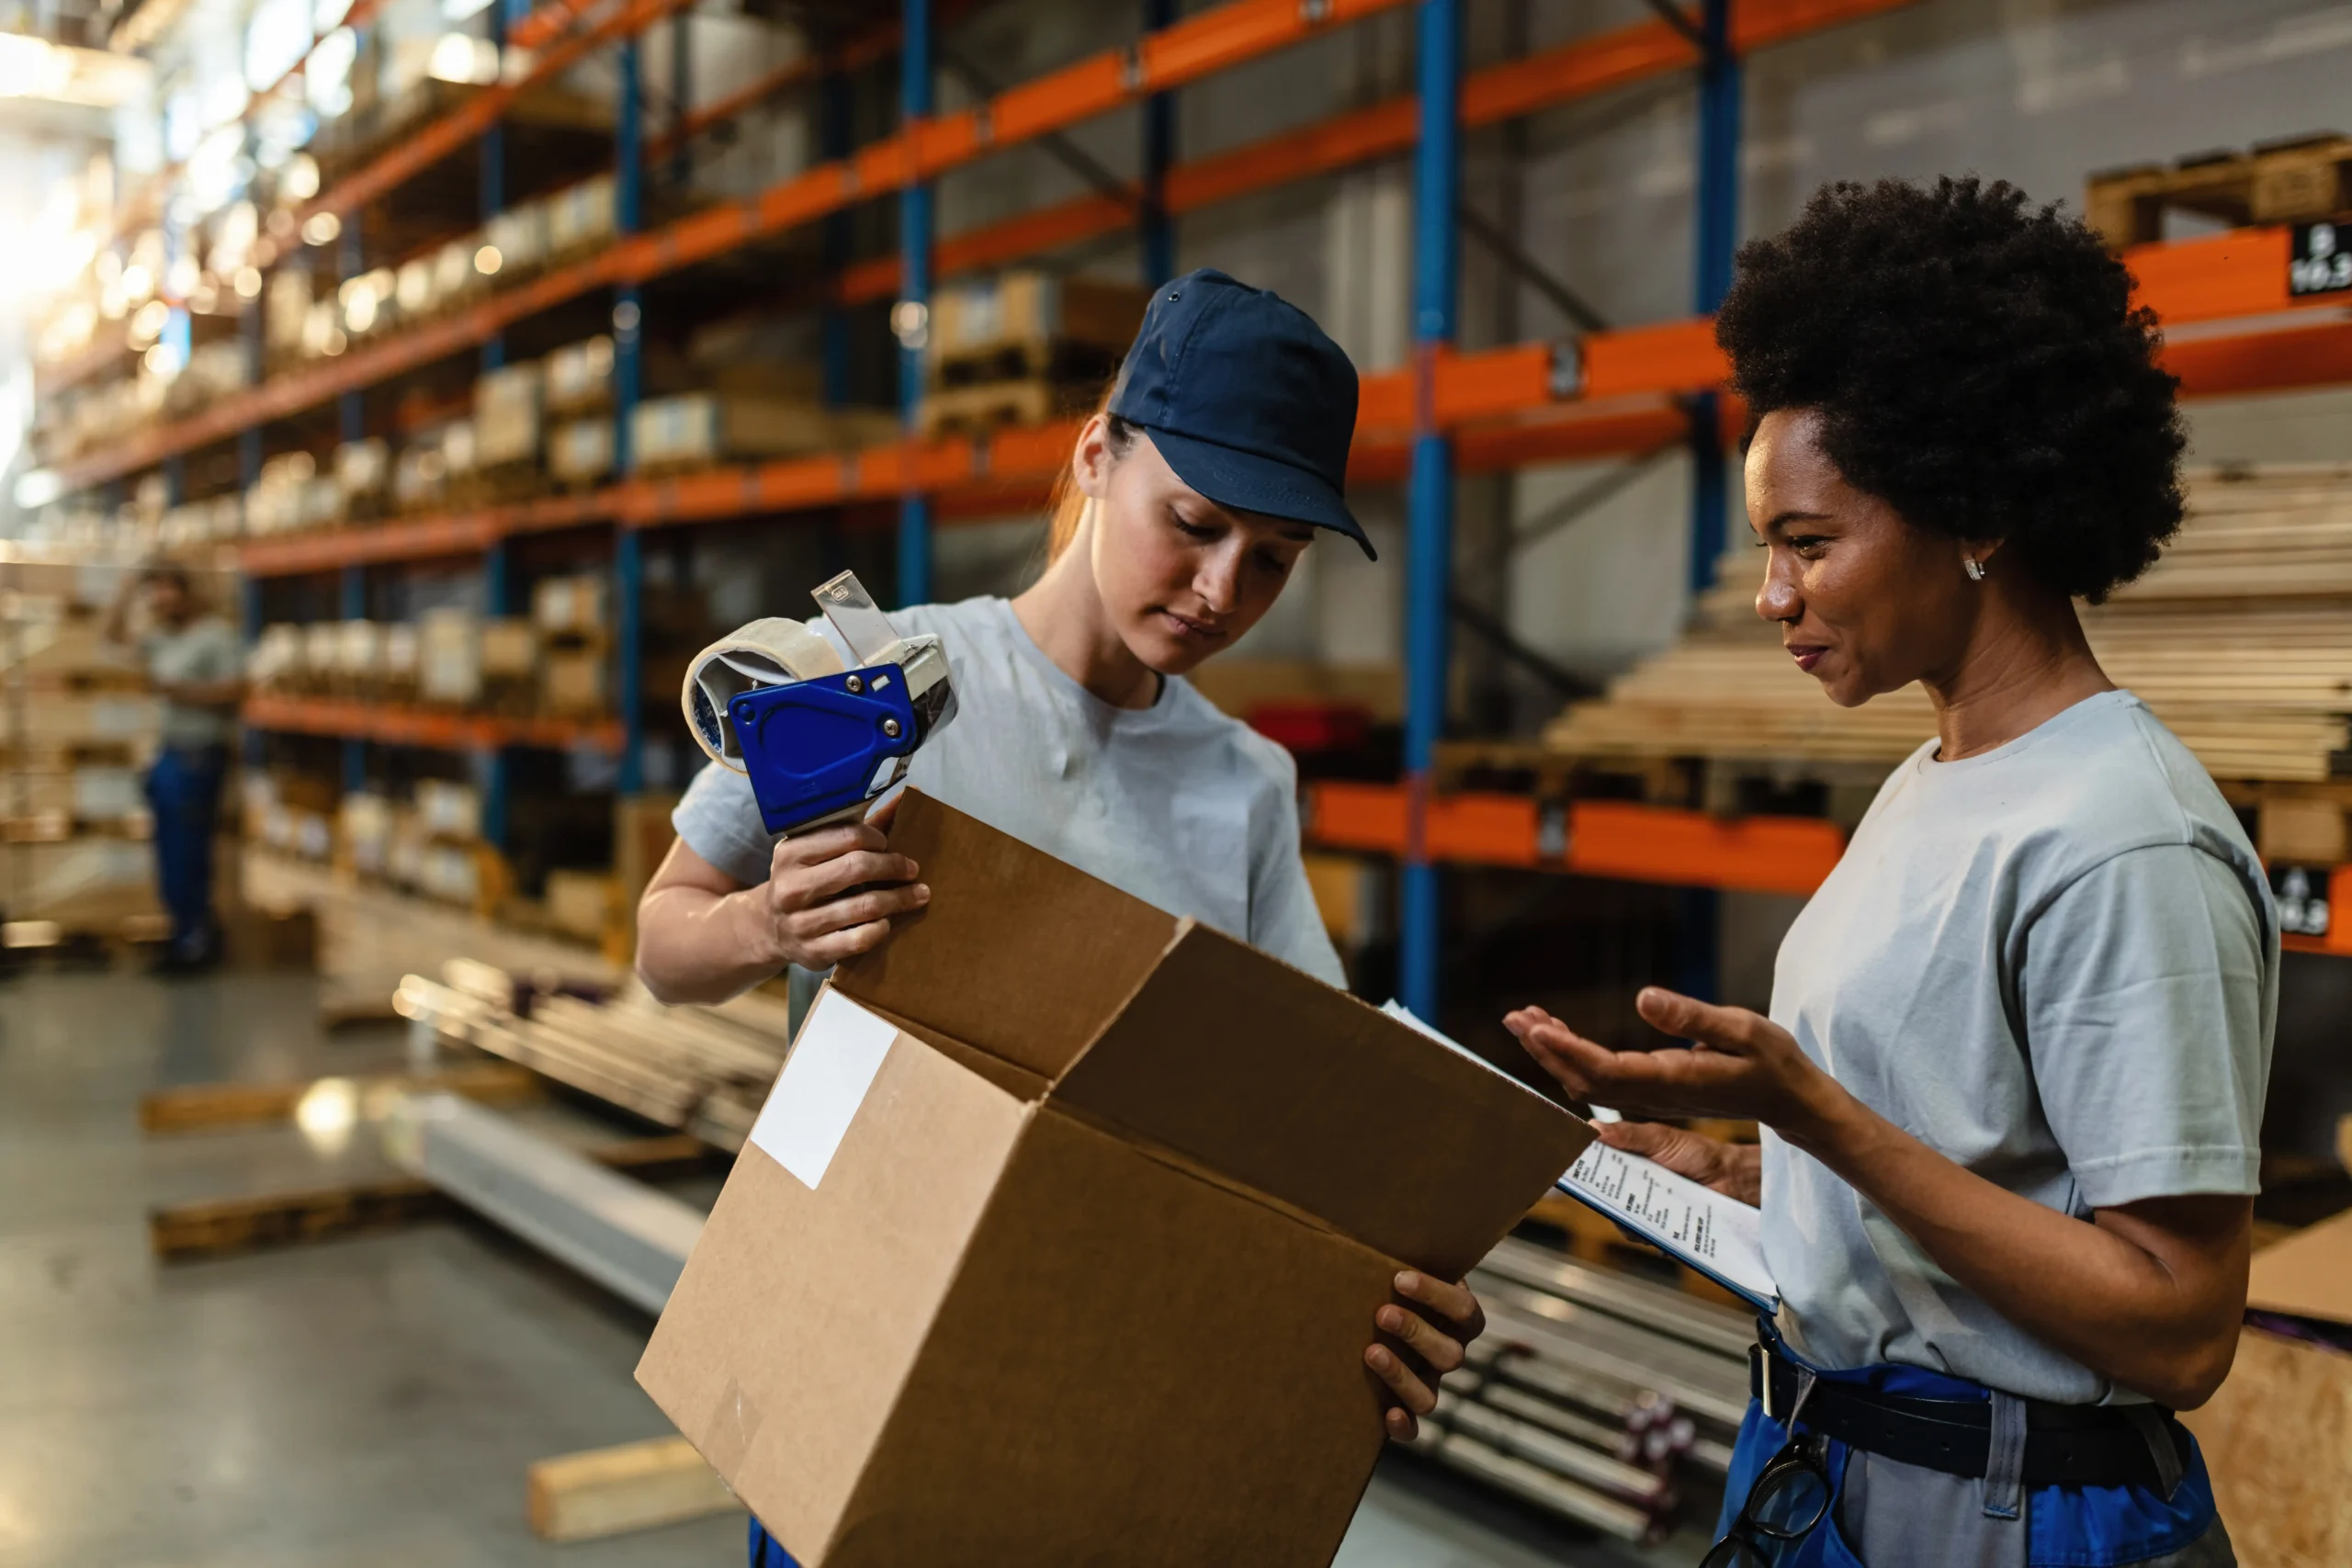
{"type": "Point", "coordinates": [818, 741]}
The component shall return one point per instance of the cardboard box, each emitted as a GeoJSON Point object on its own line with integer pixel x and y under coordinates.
{"type": "Point", "coordinates": [1059, 1238]}
{"type": "Point", "coordinates": [582, 903]}
{"type": "Point", "coordinates": [702, 428]}
{"type": "Point", "coordinates": [1031, 307]}
{"type": "Point", "coordinates": [572, 682]}
{"type": "Point", "coordinates": [2278, 1437]}
{"type": "Point", "coordinates": [570, 605]}
{"type": "Point", "coordinates": [506, 416]}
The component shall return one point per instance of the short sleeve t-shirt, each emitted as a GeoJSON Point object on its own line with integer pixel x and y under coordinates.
{"type": "Point", "coordinates": [202, 652]}
{"type": "Point", "coordinates": [1178, 803]}
{"type": "Point", "coordinates": [2056, 964]}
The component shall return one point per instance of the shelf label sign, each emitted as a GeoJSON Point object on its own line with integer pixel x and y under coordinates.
{"type": "Point", "coordinates": [2319, 259]}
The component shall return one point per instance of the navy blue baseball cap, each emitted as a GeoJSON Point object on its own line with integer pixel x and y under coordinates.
{"type": "Point", "coordinates": [1249, 400]}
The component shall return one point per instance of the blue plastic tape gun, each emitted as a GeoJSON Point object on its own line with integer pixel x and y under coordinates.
{"type": "Point", "coordinates": [819, 739]}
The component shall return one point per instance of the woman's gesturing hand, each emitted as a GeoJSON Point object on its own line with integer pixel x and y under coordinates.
{"type": "Point", "coordinates": [830, 895]}
{"type": "Point", "coordinates": [1738, 1064]}
{"type": "Point", "coordinates": [1422, 1337]}
{"type": "Point", "coordinates": [1736, 1170]}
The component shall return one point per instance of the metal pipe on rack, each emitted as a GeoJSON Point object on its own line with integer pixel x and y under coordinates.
{"type": "Point", "coordinates": [1429, 551]}
{"type": "Point", "coordinates": [910, 319]}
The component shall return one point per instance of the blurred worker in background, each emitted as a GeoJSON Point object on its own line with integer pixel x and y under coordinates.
{"type": "Point", "coordinates": [196, 667]}
{"type": "Point", "coordinates": [1219, 455]}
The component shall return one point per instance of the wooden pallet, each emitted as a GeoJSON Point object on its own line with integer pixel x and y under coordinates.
{"type": "Point", "coordinates": [979, 409]}
{"type": "Point", "coordinates": [209, 1106]}
{"type": "Point", "coordinates": [223, 1227]}
{"type": "Point", "coordinates": [1063, 361]}
{"type": "Point", "coordinates": [632, 1487]}
{"type": "Point", "coordinates": [2293, 181]}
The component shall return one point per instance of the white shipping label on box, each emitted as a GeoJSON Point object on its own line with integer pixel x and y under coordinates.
{"type": "Point", "coordinates": [824, 1081]}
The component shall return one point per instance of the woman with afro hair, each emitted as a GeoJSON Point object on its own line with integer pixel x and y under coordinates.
{"type": "Point", "coordinates": [2013, 1076]}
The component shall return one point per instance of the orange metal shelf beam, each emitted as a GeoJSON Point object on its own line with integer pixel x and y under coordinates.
{"type": "Point", "coordinates": [1175, 56]}
{"type": "Point", "coordinates": [394, 724]}
{"type": "Point", "coordinates": [1616, 59]}
{"type": "Point", "coordinates": [1610, 838]}
{"type": "Point", "coordinates": [422, 538]}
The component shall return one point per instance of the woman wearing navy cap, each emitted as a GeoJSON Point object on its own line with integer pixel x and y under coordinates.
{"type": "Point", "coordinates": [1222, 449]}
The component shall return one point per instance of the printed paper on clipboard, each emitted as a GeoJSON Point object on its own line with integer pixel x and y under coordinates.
{"type": "Point", "coordinates": [1721, 1238]}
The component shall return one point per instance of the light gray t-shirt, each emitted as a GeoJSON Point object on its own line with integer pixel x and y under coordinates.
{"type": "Point", "coordinates": [204, 650]}
{"type": "Point", "coordinates": [1186, 809]}
{"type": "Point", "coordinates": [2056, 963]}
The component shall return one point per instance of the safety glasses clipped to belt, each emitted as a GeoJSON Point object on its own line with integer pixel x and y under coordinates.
{"type": "Point", "coordinates": [1790, 1496]}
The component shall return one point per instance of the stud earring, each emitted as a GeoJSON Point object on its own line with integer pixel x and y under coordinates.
{"type": "Point", "coordinates": [1975, 568]}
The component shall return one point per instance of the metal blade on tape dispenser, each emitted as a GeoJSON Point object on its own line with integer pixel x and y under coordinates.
{"type": "Point", "coordinates": [861, 625]}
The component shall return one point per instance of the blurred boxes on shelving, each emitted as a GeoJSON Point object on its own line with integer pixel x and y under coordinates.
{"type": "Point", "coordinates": [700, 429]}
{"type": "Point", "coordinates": [447, 810]}
{"type": "Point", "coordinates": [582, 903]}
{"type": "Point", "coordinates": [508, 416]}
{"type": "Point", "coordinates": [576, 605]}
{"type": "Point", "coordinates": [580, 451]}
{"type": "Point", "coordinates": [464, 660]}
{"type": "Point", "coordinates": [519, 235]}
{"type": "Point", "coordinates": [580, 217]}
{"type": "Point", "coordinates": [572, 682]}
{"type": "Point", "coordinates": [363, 474]}
{"type": "Point", "coordinates": [580, 376]}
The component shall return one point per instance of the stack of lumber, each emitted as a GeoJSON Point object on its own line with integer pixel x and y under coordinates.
{"type": "Point", "coordinates": [704, 1070]}
{"type": "Point", "coordinates": [2238, 638]}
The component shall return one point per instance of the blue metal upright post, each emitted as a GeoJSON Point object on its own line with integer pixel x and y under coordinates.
{"type": "Point", "coordinates": [1429, 551]}
{"type": "Point", "coordinates": [1158, 229]}
{"type": "Point", "coordinates": [1715, 227]}
{"type": "Point", "coordinates": [913, 317]}
{"type": "Point", "coordinates": [490, 762]}
{"type": "Point", "coordinates": [628, 553]}
{"type": "Point", "coordinates": [1716, 230]}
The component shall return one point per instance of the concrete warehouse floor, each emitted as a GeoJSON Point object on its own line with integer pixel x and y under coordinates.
{"type": "Point", "coordinates": [354, 1403]}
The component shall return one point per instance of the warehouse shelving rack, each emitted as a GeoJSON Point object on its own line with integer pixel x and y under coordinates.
{"type": "Point", "coordinates": [1622, 391]}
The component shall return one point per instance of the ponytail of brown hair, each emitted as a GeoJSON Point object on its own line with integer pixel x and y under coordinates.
{"type": "Point", "coordinates": [1066, 505]}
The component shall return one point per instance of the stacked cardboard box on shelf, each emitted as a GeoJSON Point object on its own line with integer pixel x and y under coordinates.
{"type": "Point", "coordinates": [573, 619]}
{"type": "Point", "coordinates": [1025, 348]}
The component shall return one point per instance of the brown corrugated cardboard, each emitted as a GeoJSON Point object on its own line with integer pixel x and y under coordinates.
{"type": "Point", "coordinates": [2307, 1275]}
{"type": "Point", "coordinates": [1059, 1240]}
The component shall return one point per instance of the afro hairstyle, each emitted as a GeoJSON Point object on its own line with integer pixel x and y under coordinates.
{"type": "Point", "coordinates": [1976, 363]}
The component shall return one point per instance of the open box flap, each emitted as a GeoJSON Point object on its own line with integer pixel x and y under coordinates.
{"type": "Point", "coordinates": [1276, 1080]}
{"type": "Point", "coordinates": [1017, 955]}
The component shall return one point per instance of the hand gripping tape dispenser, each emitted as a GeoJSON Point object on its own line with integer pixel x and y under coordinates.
{"type": "Point", "coordinates": [818, 740]}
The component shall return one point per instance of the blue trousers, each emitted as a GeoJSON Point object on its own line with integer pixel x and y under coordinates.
{"type": "Point", "coordinates": [766, 1551]}
{"type": "Point", "coordinates": [1913, 1515]}
{"type": "Point", "coordinates": [184, 793]}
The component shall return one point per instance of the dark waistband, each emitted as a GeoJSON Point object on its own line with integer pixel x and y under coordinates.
{"type": "Point", "coordinates": [2065, 1445]}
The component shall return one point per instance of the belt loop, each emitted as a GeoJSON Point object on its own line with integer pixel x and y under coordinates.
{"type": "Point", "coordinates": [2157, 1433]}
{"type": "Point", "coordinates": [2005, 1457]}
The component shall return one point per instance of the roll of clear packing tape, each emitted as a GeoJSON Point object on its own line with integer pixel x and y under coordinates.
{"type": "Point", "coordinates": [774, 652]}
